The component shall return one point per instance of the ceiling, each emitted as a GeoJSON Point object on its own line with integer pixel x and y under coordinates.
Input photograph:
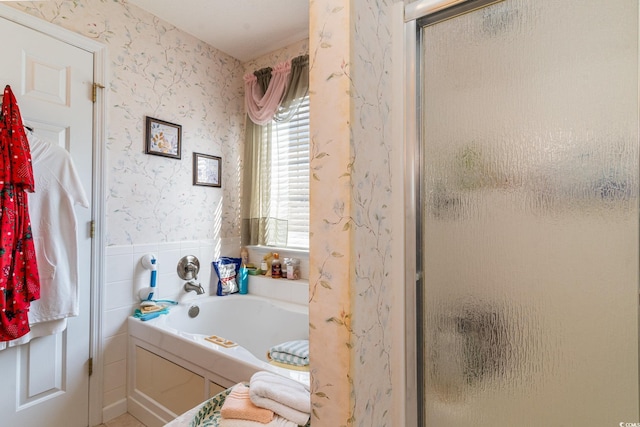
{"type": "Point", "coordinates": [244, 29]}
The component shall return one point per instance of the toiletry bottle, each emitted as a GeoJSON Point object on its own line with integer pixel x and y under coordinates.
{"type": "Point", "coordinates": [276, 267]}
{"type": "Point", "coordinates": [293, 269]}
{"type": "Point", "coordinates": [244, 255]}
{"type": "Point", "coordinates": [244, 279]}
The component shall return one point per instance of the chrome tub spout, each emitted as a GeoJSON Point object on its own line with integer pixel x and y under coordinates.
{"type": "Point", "coordinates": [194, 286]}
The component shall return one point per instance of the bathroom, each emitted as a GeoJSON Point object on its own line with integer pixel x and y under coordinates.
{"type": "Point", "coordinates": [356, 307]}
{"type": "Point", "coordinates": [131, 229]}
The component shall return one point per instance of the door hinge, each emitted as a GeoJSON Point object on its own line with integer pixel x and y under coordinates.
{"type": "Point", "coordinates": [96, 86]}
{"type": "Point", "coordinates": [90, 363]}
{"type": "Point", "coordinates": [92, 227]}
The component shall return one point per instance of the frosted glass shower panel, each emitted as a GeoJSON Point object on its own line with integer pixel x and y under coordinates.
{"type": "Point", "coordinates": [530, 215]}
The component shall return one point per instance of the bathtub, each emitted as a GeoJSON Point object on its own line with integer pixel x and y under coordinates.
{"type": "Point", "coordinates": [173, 367]}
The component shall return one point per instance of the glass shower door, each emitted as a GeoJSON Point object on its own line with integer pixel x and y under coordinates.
{"type": "Point", "coordinates": [529, 215]}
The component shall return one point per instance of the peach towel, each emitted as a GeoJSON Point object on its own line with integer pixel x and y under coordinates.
{"type": "Point", "coordinates": [238, 405]}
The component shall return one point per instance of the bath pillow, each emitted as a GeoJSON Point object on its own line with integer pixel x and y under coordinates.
{"type": "Point", "coordinates": [227, 269]}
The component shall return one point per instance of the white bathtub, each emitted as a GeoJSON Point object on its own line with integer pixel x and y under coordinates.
{"type": "Point", "coordinates": [172, 367]}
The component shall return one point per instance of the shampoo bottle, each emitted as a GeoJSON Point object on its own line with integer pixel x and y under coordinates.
{"type": "Point", "coordinates": [276, 267]}
{"type": "Point", "coordinates": [244, 280]}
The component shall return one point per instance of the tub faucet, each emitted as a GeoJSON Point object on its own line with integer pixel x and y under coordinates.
{"type": "Point", "coordinates": [193, 286]}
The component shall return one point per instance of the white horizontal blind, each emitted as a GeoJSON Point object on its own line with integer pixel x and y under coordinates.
{"type": "Point", "coordinates": [290, 175]}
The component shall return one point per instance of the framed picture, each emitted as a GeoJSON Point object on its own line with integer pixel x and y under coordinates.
{"type": "Point", "coordinates": [163, 138]}
{"type": "Point", "coordinates": [207, 170]}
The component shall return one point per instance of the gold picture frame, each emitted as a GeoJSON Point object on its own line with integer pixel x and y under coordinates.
{"type": "Point", "coordinates": [163, 138]}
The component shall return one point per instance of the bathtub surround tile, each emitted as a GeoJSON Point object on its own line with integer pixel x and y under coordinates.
{"type": "Point", "coordinates": [168, 246]}
{"type": "Point", "coordinates": [119, 267]}
{"type": "Point", "coordinates": [115, 348]}
{"type": "Point", "coordinates": [118, 250]}
{"type": "Point", "coordinates": [209, 252]}
{"type": "Point", "coordinates": [114, 399]}
{"type": "Point", "coordinates": [115, 321]}
{"type": "Point", "coordinates": [259, 286]}
{"type": "Point", "coordinates": [190, 244]}
{"type": "Point", "coordinates": [168, 260]}
{"type": "Point", "coordinates": [115, 375]}
{"type": "Point", "coordinates": [143, 249]}
{"type": "Point", "coordinates": [293, 291]}
{"type": "Point", "coordinates": [300, 292]}
{"type": "Point", "coordinates": [169, 286]}
{"type": "Point", "coordinates": [281, 290]}
{"type": "Point", "coordinates": [120, 294]}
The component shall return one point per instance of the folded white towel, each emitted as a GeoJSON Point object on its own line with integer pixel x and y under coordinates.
{"type": "Point", "coordinates": [276, 422]}
{"type": "Point", "coordinates": [287, 412]}
{"type": "Point", "coordinates": [286, 397]}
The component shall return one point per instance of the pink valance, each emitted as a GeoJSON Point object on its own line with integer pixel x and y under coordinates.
{"type": "Point", "coordinates": [261, 107]}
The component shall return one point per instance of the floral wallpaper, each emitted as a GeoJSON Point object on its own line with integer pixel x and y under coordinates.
{"type": "Point", "coordinates": [371, 192]}
{"type": "Point", "coordinates": [280, 55]}
{"type": "Point", "coordinates": [159, 71]}
{"type": "Point", "coordinates": [351, 209]}
{"type": "Point", "coordinates": [330, 257]}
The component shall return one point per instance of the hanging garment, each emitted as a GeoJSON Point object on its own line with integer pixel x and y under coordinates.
{"type": "Point", "coordinates": [19, 280]}
{"type": "Point", "coordinates": [54, 227]}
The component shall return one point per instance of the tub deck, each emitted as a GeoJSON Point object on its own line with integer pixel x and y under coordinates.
{"type": "Point", "coordinates": [173, 367]}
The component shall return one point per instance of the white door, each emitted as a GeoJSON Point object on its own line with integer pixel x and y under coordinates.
{"type": "Point", "coordinates": [46, 382]}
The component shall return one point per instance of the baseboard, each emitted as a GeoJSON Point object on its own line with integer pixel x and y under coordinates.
{"type": "Point", "coordinates": [145, 415]}
{"type": "Point", "coordinates": [114, 410]}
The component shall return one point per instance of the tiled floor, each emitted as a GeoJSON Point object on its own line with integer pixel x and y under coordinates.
{"type": "Point", "coordinates": [124, 420]}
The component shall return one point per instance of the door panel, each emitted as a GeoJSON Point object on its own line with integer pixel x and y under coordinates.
{"type": "Point", "coordinates": [530, 215]}
{"type": "Point", "coordinates": [46, 381]}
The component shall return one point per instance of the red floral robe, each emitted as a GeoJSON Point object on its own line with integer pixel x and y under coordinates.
{"type": "Point", "coordinates": [19, 280]}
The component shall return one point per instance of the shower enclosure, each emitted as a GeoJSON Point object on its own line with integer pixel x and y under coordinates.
{"type": "Point", "coordinates": [524, 173]}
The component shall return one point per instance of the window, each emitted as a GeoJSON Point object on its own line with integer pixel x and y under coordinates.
{"type": "Point", "coordinates": [290, 175]}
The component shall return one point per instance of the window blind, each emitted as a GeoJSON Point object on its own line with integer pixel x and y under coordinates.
{"type": "Point", "coordinates": [290, 175]}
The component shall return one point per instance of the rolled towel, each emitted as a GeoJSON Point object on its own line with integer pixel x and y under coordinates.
{"type": "Point", "coordinates": [277, 421]}
{"type": "Point", "coordinates": [238, 405]}
{"type": "Point", "coordinates": [291, 352]}
{"type": "Point", "coordinates": [286, 397]}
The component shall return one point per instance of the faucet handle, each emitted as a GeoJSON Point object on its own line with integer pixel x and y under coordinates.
{"type": "Point", "coordinates": [188, 267]}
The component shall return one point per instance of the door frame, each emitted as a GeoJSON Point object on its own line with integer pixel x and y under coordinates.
{"type": "Point", "coordinates": [412, 202]}
{"type": "Point", "coordinates": [412, 166]}
{"type": "Point", "coordinates": [99, 52]}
